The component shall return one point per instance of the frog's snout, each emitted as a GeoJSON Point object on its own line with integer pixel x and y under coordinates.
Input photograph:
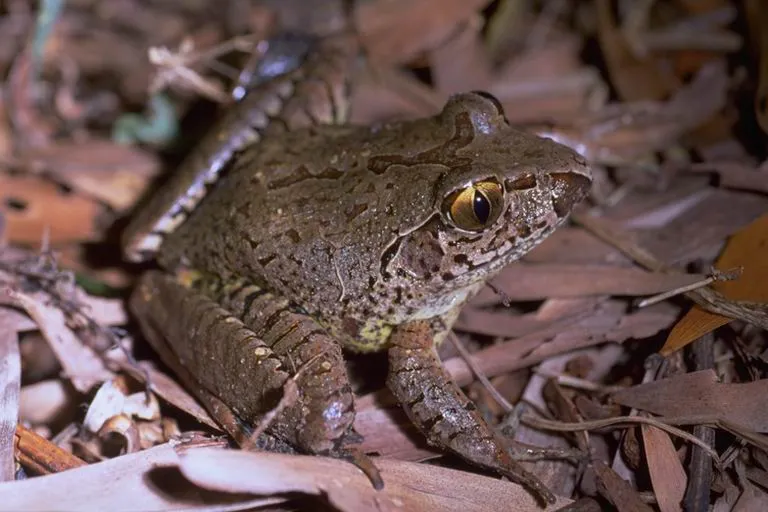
{"type": "Point", "coordinates": [568, 189]}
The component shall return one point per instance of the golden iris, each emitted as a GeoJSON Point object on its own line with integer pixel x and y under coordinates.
{"type": "Point", "coordinates": [476, 206]}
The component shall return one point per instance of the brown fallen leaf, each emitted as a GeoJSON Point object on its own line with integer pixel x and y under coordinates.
{"type": "Point", "coordinates": [606, 323]}
{"type": "Point", "coordinates": [395, 31]}
{"type": "Point", "coordinates": [571, 244]}
{"type": "Point", "coordinates": [546, 82]}
{"type": "Point", "coordinates": [461, 63]}
{"type": "Point", "coordinates": [617, 490]}
{"type": "Point", "coordinates": [625, 132]}
{"type": "Point", "coordinates": [699, 394]}
{"type": "Point", "coordinates": [499, 322]}
{"type": "Point", "coordinates": [407, 486]}
{"type": "Point", "coordinates": [46, 401]}
{"type": "Point", "coordinates": [33, 206]}
{"type": "Point", "coordinates": [746, 249]}
{"type": "Point", "coordinates": [736, 175]}
{"type": "Point", "coordinates": [667, 474]}
{"type": "Point", "coordinates": [80, 362]}
{"type": "Point", "coordinates": [635, 78]}
{"type": "Point", "coordinates": [523, 281]}
{"type": "Point", "coordinates": [109, 172]}
{"type": "Point", "coordinates": [138, 481]}
{"type": "Point", "coordinates": [10, 386]}
{"type": "Point", "coordinates": [387, 431]}
{"type": "Point", "coordinates": [702, 228]}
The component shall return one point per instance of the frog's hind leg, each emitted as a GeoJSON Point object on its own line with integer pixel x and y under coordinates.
{"type": "Point", "coordinates": [440, 409]}
{"type": "Point", "coordinates": [324, 421]}
{"type": "Point", "coordinates": [222, 362]}
{"type": "Point", "coordinates": [324, 424]}
{"type": "Point", "coordinates": [239, 374]}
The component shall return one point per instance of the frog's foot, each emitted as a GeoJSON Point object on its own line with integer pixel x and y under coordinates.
{"type": "Point", "coordinates": [442, 412]}
{"type": "Point", "coordinates": [240, 376]}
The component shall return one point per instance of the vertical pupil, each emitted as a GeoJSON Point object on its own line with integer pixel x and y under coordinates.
{"type": "Point", "coordinates": [481, 207]}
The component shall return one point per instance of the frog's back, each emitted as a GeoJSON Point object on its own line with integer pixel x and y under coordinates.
{"type": "Point", "coordinates": [305, 212]}
{"type": "Point", "coordinates": [313, 92]}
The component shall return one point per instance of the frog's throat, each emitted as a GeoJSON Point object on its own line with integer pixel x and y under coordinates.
{"type": "Point", "coordinates": [374, 334]}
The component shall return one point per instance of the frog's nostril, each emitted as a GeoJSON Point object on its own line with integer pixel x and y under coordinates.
{"type": "Point", "coordinates": [568, 188]}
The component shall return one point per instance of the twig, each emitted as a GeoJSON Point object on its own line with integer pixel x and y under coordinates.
{"type": "Point", "coordinates": [661, 423]}
{"type": "Point", "coordinates": [716, 275]}
{"type": "Point", "coordinates": [576, 383]}
{"type": "Point", "coordinates": [41, 456]}
{"type": "Point", "coordinates": [700, 467]}
{"type": "Point", "coordinates": [467, 357]}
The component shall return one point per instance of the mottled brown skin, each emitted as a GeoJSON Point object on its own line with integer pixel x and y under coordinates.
{"type": "Point", "coordinates": [319, 237]}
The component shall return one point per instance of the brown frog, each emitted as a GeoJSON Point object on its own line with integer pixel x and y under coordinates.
{"type": "Point", "coordinates": [289, 236]}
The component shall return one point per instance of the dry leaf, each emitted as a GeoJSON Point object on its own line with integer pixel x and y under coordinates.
{"type": "Point", "coordinates": [109, 172]}
{"type": "Point", "coordinates": [395, 31]}
{"type": "Point", "coordinates": [138, 481]}
{"type": "Point", "coordinates": [747, 249]}
{"type": "Point", "coordinates": [607, 323]}
{"type": "Point", "coordinates": [633, 77]}
{"type": "Point", "coordinates": [81, 364]}
{"type": "Point", "coordinates": [618, 491]}
{"type": "Point", "coordinates": [522, 281]}
{"type": "Point", "coordinates": [461, 63]}
{"type": "Point", "coordinates": [407, 486]}
{"type": "Point", "coordinates": [10, 383]}
{"type": "Point", "coordinates": [699, 394]}
{"type": "Point", "coordinates": [46, 401]}
{"type": "Point", "coordinates": [667, 474]}
{"type": "Point", "coordinates": [33, 206]}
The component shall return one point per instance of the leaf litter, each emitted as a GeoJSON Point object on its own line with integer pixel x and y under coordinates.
{"type": "Point", "coordinates": [666, 99]}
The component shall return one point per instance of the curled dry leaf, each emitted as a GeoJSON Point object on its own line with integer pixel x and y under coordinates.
{"type": "Point", "coordinates": [123, 427]}
{"type": "Point", "coordinates": [39, 456]}
{"type": "Point", "coordinates": [111, 401]}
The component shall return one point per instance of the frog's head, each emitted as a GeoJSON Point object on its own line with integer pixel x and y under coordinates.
{"type": "Point", "coordinates": [503, 191]}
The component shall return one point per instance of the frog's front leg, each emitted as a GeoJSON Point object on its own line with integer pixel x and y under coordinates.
{"type": "Point", "coordinates": [234, 369]}
{"type": "Point", "coordinates": [442, 411]}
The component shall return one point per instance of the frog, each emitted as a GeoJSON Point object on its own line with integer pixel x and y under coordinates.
{"type": "Point", "coordinates": [291, 236]}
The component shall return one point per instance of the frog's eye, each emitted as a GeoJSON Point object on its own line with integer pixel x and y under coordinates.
{"type": "Point", "coordinates": [476, 206]}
